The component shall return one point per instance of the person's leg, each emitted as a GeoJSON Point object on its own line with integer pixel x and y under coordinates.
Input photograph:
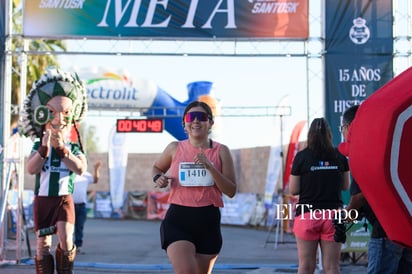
{"type": "Point", "coordinates": [65, 232]}
{"type": "Point", "coordinates": [43, 246]}
{"type": "Point", "coordinates": [76, 224]}
{"type": "Point", "coordinates": [65, 250]}
{"type": "Point", "coordinates": [81, 216]}
{"type": "Point", "coordinates": [405, 264]}
{"type": "Point", "coordinates": [307, 255]}
{"type": "Point", "coordinates": [44, 260]}
{"type": "Point", "coordinates": [383, 256]}
{"type": "Point", "coordinates": [374, 254]}
{"type": "Point", "coordinates": [392, 254]}
{"type": "Point", "coordinates": [330, 248]}
{"type": "Point", "coordinates": [208, 239]}
{"type": "Point", "coordinates": [330, 256]}
{"type": "Point", "coordinates": [182, 255]}
{"type": "Point", "coordinates": [205, 263]}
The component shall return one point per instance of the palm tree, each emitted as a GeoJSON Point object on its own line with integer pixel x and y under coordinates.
{"type": "Point", "coordinates": [36, 63]}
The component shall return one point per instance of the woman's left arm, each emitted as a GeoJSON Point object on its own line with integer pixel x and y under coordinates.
{"type": "Point", "coordinates": [225, 180]}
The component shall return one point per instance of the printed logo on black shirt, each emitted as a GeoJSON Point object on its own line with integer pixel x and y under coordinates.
{"type": "Point", "coordinates": [323, 165]}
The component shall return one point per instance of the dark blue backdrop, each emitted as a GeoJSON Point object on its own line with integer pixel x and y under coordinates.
{"type": "Point", "coordinates": [359, 54]}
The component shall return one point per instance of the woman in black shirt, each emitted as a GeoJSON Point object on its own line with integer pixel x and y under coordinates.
{"type": "Point", "coordinates": [319, 174]}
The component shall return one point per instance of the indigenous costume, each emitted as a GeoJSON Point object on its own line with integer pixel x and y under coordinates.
{"type": "Point", "coordinates": [55, 181]}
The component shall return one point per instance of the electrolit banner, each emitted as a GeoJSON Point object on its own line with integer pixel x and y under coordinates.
{"type": "Point", "coordinates": [108, 90]}
{"type": "Point", "coordinates": [168, 19]}
{"type": "Point", "coordinates": [118, 155]}
{"type": "Point", "coordinates": [358, 59]}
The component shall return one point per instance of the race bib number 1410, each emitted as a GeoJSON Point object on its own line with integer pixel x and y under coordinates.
{"type": "Point", "coordinates": [191, 174]}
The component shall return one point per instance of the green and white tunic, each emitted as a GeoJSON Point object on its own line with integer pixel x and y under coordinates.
{"type": "Point", "coordinates": [55, 179]}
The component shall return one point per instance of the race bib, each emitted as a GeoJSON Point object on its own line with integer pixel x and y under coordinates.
{"type": "Point", "coordinates": [191, 174]}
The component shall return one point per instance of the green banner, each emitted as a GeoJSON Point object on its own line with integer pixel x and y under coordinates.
{"type": "Point", "coordinates": [357, 237]}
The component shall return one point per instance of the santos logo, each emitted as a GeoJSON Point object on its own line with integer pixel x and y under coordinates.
{"type": "Point", "coordinates": [359, 33]}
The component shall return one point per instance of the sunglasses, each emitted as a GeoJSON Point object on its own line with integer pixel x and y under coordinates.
{"type": "Point", "coordinates": [199, 115]}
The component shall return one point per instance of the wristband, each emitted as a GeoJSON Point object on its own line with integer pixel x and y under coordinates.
{"type": "Point", "coordinates": [156, 177]}
{"type": "Point", "coordinates": [43, 151]}
{"type": "Point", "coordinates": [62, 152]}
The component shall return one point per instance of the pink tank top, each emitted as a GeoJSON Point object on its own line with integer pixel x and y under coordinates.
{"type": "Point", "coordinates": [194, 196]}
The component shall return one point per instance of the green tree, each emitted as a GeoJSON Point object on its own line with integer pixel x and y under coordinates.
{"type": "Point", "coordinates": [37, 61]}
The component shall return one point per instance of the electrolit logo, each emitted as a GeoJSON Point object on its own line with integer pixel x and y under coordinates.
{"type": "Point", "coordinates": [119, 91]}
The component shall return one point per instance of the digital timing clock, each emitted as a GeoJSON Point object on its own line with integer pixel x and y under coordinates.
{"type": "Point", "coordinates": [139, 125]}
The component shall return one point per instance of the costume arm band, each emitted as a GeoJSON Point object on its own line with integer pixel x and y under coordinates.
{"type": "Point", "coordinates": [62, 152]}
{"type": "Point", "coordinates": [43, 151]}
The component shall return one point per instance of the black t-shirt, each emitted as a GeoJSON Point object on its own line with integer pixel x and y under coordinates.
{"type": "Point", "coordinates": [321, 180]}
{"type": "Point", "coordinates": [377, 229]}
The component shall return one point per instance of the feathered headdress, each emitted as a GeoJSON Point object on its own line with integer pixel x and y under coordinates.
{"type": "Point", "coordinates": [53, 83]}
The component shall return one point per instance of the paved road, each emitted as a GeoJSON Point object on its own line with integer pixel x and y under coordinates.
{"type": "Point", "coordinates": [132, 246]}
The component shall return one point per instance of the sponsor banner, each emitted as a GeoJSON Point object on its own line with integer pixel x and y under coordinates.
{"type": "Point", "coordinates": [117, 169]}
{"type": "Point", "coordinates": [357, 237]}
{"type": "Point", "coordinates": [137, 205]}
{"type": "Point", "coordinates": [238, 210]}
{"type": "Point", "coordinates": [169, 19]}
{"type": "Point", "coordinates": [359, 27]}
{"type": "Point", "coordinates": [103, 208]}
{"type": "Point", "coordinates": [157, 205]}
{"type": "Point", "coordinates": [358, 60]}
{"type": "Point", "coordinates": [292, 150]}
{"type": "Point", "coordinates": [107, 90]}
{"type": "Point", "coordinates": [274, 168]}
{"type": "Point", "coordinates": [349, 82]}
{"type": "Point", "coordinates": [117, 90]}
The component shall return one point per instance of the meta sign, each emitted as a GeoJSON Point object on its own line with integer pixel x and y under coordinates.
{"type": "Point", "coordinates": [139, 125]}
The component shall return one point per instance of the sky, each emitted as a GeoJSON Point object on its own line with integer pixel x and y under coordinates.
{"type": "Point", "coordinates": [290, 81]}
{"type": "Point", "coordinates": [238, 82]}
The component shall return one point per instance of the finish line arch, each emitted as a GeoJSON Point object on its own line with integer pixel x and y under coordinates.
{"type": "Point", "coordinates": [312, 56]}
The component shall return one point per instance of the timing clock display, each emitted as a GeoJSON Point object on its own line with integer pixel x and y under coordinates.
{"type": "Point", "coordinates": [139, 125]}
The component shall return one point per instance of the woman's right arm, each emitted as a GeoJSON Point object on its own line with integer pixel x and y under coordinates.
{"type": "Point", "coordinates": [162, 165]}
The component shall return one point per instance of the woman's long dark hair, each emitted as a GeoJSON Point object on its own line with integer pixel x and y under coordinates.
{"type": "Point", "coordinates": [320, 139]}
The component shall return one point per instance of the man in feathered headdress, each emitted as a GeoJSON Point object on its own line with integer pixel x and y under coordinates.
{"type": "Point", "coordinates": [56, 102]}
